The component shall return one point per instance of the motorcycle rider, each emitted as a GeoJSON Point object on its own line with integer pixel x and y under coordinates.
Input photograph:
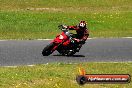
{"type": "Point", "coordinates": [81, 30]}
{"type": "Point", "coordinates": [67, 43]}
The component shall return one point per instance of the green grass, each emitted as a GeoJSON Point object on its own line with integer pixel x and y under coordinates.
{"type": "Point", "coordinates": [34, 19]}
{"type": "Point", "coordinates": [60, 75]}
{"type": "Point", "coordinates": [88, 5]}
{"type": "Point", "coordinates": [34, 25]}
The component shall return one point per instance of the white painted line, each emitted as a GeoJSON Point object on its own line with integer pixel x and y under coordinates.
{"type": "Point", "coordinates": [44, 39]}
{"type": "Point", "coordinates": [90, 38]}
{"type": "Point", "coordinates": [10, 66]}
{"type": "Point", "coordinates": [18, 65]}
{"type": "Point", "coordinates": [114, 62]}
{"type": "Point", "coordinates": [30, 65]}
{"type": "Point", "coordinates": [126, 37]}
{"type": "Point", "coordinates": [3, 40]}
{"type": "Point", "coordinates": [72, 63]}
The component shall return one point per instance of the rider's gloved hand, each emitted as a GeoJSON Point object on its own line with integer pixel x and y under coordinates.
{"type": "Point", "coordinates": [77, 40]}
{"type": "Point", "coordinates": [72, 40]}
{"type": "Point", "coordinates": [64, 27]}
{"type": "Point", "coordinates": [82, 41]}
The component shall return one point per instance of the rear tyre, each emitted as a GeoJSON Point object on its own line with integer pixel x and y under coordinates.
{"type": "Point", "coordinates": [47, 50]}
{"type": "Point", "coordinates": [66, 52]}
{"type": "Point", "coordinates": [70, 53]}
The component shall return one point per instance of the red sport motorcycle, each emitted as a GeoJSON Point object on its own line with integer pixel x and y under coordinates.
{"type": "Point", "coordinates": [63, 44]}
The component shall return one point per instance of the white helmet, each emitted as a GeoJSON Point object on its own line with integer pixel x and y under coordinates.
{"type": "Point", "coordinates": [82, 24]}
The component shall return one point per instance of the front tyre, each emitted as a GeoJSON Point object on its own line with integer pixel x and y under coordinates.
{"type": "Point", "coordinates": [48, 49]}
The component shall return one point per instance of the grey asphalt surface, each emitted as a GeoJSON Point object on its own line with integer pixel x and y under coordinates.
{"type": "Point", "coordinates": [28, 52]}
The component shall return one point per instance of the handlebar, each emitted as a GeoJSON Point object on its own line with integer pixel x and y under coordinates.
{"type": "Point", "coordinates": [60, 26]}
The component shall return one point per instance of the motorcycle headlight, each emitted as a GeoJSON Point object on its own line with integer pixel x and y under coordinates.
{"type": "Point", "coordinates": [61, 37]}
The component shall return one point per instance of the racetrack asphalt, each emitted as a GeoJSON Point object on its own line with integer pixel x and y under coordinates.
{"type": "Point", "coordinates": [28, 52]}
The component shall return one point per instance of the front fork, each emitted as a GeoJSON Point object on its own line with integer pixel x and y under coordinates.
{"type": "Point", "coordinates": [57, 45]}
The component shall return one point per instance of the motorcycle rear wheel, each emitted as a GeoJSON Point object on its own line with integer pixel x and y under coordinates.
{"type": "Point", "coordinates": [66, 53]}
{"type": "Point", "coordinates": [70, 53]}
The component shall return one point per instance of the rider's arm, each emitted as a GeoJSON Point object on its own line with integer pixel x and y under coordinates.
{"type": "Point", "coordinates": [66, 31]}
{"type": "Point", "coordinates": [72, 27]}
{"type": "Point", "coordinates": [86, 34]}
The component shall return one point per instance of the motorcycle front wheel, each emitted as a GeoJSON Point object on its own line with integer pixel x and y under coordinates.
{"type": "Point", "coordinates": [48, 49]}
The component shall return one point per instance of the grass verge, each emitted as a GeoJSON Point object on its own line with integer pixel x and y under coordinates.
{"type": "Point", "coordinates": [60, 75]}
{"type": "Point", "coordinates": [31, 19]}
{"type": "Point", "coordinates": [36, 25]}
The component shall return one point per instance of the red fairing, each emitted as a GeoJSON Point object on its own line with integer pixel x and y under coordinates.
{"type": "Point", "coordinates": [60, 38]}
{"type": "Point", "coordinates": [66, 43]}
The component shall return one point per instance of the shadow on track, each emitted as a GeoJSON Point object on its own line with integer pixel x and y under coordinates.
{"type": "Point", "coordinates": [70, 56]}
